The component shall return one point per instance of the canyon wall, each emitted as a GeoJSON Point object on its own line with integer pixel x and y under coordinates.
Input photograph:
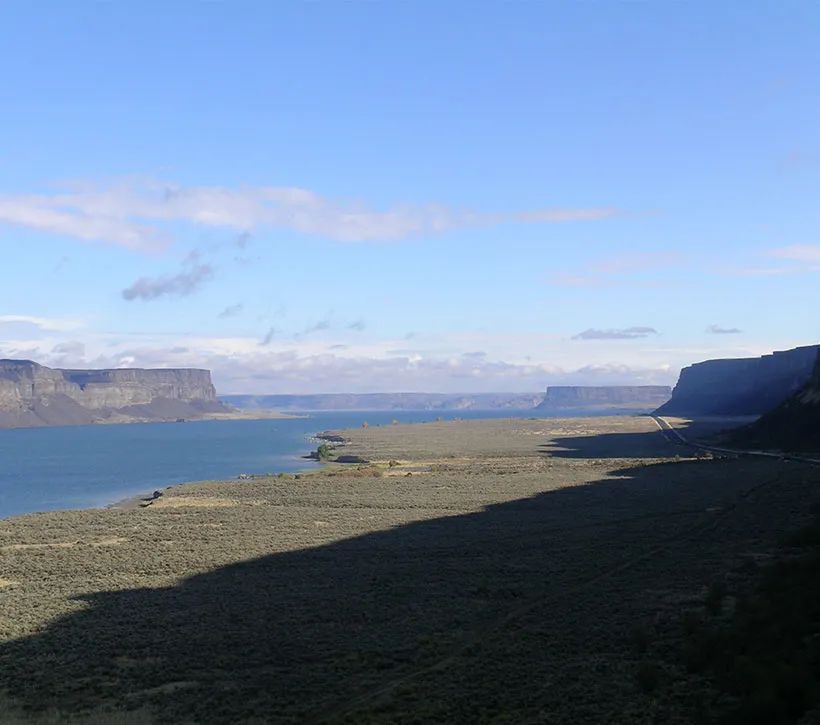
{"type": "Point", "coordinates": [743, 386]}
{"type": "Point", "coordinates": [32, 394]}
{"type": "Point", "coordinates": [794, 425]}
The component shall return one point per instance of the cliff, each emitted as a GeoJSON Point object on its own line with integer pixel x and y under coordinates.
{"type": "Point", "coordinates": [743, 386]}
{"type": "Point", "coordinates": [32, 395]}
{"type": "Point", "coordinates": [794, 425]}
{"type": "Point", "coordinates": [639, 397]}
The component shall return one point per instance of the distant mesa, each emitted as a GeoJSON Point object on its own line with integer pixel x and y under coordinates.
{"type": "Point", "coordinates": [35, 395]}
{"type": "Point", "coordinates": [605, 397]}
{"type": "Point", "coordinates": [742, 386]}
{"type": "Point", "coordinates": [386, 401]}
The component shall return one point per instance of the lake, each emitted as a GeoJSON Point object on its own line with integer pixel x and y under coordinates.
{"type": "Point", "coordinates": [43, 469]}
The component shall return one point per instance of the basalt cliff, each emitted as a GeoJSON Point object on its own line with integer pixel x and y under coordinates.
{"type": "Point", "coordinates": [35, 395]}
{"type": "Point", "coordinates": [794, 425]}
{"type": "Point", "coordinates": [605, 397]}
{"type": "Point", "coordinates": [742, 386]}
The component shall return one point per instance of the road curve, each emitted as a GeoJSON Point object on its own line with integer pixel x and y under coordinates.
{"type": "Point", "coordinates": [673, 435]}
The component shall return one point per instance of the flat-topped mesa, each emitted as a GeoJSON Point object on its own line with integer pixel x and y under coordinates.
{"type": "Point", "coordinates": [742, 386]}
{"type": "Point", "coordinates": [133, 386]}
{"type": "Point", "coordinates": [606, 396]}
{"type": "Point", "coordinates": [32, 394]}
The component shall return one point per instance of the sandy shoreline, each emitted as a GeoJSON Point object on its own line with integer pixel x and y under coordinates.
{"type": "Point", "coordinates": [474, 567]}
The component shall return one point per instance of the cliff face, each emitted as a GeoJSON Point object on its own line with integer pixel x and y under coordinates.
{"type": "Point", "coordinates": [794, 425]}
{"type": "Point", "coordinates": [744, 386]}
{"type": "Point", "coordinates": [604, 396]}
{"type": "Point", "coordinates": [31, 394]}
{"type": "Point", "coordinates": [118, 388]}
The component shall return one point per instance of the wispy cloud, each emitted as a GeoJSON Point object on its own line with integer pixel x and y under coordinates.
{"type": "Point", "coordinates": [719, 330]}
{"type": "Point", "coordinates": [626, 333]}
{"type": "Point", "coordinates": [232, 310]}
{"type": "Point", "coordinates": [318, 326]}
{"type": "Point", "coordinates": [182, 284]}
{"type": "Point", "coordinates": [357, 325]}
{"type": "Point", "coordinates": [267, 339]}
{"type": "Point", "coordinates": [798, 253]}
{"type": "Point", "coordinates": [47, 324]}
{"type": "Point", "coordinates": [131, 213]}
{"type": "Point", "coordinates": [618, 270]}
{"type": "Point", "coordinates": [795, 259]}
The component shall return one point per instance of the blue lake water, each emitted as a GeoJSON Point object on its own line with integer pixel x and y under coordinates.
{"type": "Point", "coordinates": [43, 469]}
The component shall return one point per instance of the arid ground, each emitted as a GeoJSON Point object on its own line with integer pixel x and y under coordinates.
{"type": "Point", "coordinates": [505, 571]}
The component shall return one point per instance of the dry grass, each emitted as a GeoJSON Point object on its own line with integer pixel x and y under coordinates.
{"type": "Point", "coordinates": [504, 580]}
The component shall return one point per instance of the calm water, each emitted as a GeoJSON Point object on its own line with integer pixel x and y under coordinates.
{"type": "Point", "coordinates": [43, 469]}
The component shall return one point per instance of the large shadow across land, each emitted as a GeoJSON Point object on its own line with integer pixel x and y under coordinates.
{"type": "Point", "coordinates": [515, 608]}
{"type": "Point", "coordinates": [652, 444]}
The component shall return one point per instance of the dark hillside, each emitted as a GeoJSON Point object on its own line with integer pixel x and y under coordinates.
{"type": "Point", "coordinates": [794, 425]}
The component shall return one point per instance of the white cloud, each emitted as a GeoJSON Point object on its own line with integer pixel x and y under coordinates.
{"type": "Point", "coordinates": [46, 324]}
{"type": "Point", "coordinates": [68, 217]}
{"type": "Point", "coordinates": [619, 270]}
{"type": "Point", "coordinates": [131, 213]}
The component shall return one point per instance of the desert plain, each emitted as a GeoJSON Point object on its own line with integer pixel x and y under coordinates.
{"type": "Point", "coordinates": [505, 571]}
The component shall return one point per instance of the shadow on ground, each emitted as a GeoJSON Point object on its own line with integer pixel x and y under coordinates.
{"type": "Point", "coordinates": [651, 444]}
{"type": "Point", "coordinates": [524, 608]}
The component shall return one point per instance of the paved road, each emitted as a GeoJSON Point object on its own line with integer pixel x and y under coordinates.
{"type": "Point", "coordinates": [673, 435]}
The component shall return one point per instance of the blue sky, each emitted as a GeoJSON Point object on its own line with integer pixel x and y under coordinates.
{"type": "Point", "coordinates": [343, 196]}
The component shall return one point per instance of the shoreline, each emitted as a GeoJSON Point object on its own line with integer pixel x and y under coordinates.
{"type": "Point", "coordinates": [229, 416]}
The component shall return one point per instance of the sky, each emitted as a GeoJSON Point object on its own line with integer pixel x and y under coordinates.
{"type": "Point", "coordinates": [408, 196]}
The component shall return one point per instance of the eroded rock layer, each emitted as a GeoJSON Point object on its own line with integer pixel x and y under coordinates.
{"type": "Point", "coordinates": [743, 386]}
{"type": "Point", "coordinates": [32, 394]}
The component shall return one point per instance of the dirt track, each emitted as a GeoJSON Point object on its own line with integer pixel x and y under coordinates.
{"type": "Point", "coordinates": [505, 579]}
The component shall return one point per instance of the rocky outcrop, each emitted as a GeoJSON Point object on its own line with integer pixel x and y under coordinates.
{"type": "Point", "coordinates": [642, 397]}
{"type": "Point", "coordinates": [794, 425]}
{"type": "Point", "coordinates": [743, 386]}
{"type": "Point", "coordinates": [32, 394]}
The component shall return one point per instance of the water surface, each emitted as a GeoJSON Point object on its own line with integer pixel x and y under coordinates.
{"type": "Point", "coordinates": [43, 469]}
